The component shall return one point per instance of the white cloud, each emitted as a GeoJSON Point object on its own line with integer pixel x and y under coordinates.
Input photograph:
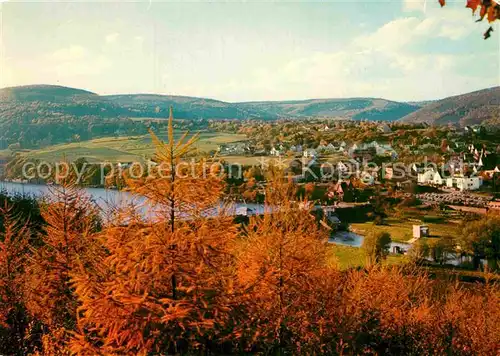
{"type": "Point", "coordinates": [71, 53]}
{"type": "Point", "coordinates": [415, 5]}
{"type": "Point", "coordinates": [385, 63]}
{"type": "Point", "coordinates": [69, 62]}
{"type": "Point", "coordinates": [112, 37]}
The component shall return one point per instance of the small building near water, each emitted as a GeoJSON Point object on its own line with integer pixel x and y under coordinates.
{"type": "Point", "coordinates": [420, 231]}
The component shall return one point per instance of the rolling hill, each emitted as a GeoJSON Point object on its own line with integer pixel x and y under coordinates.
{"type": "Point", "coordinates": [56, 100]}
{"type": "Point", "coordinates": [44, 93]}
{"type": "Point", "coordinates": [355, 108]}
{"type": "Point", "coordinates": [46, 102]}
{"type": "Point", "coordinates": [480, 107]}
{"type": "Point", "coordinates": [42, 115]}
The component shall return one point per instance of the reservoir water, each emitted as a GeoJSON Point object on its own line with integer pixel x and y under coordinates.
{"type": "Point", "coordinates": [105, 198]}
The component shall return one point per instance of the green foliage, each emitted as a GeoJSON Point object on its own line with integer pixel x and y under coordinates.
{"type": "Point", "coordinates": [441, 251]}
{"type": "Point", "coordinates": [419, 251]}
{"type": "Point", "coordinates": [481, 238]}
{"type": "Point", "coordinates": [377, 245]}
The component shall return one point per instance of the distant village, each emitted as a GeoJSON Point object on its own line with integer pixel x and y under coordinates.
{"type": "Point", "coordinates": [458, 169]}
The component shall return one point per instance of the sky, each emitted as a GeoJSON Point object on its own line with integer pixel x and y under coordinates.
{"type": "Point", "coordinates": [252, 50]}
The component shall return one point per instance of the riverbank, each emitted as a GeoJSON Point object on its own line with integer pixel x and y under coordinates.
{"type": "Point", "coordinates": [401, 230]}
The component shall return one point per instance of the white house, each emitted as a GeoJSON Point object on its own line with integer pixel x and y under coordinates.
{"type": "Point", "coordinates": [425, 177]}
{"type": "Point", "coordinates": [342, 167]}
{"type": "Point", "coordinates": [462, 182]}
{"type": "Point", "coordinates": [330, 147]}
{"type": "Point", "coordinates": [244, 211]}
{"type": "Point", "coordinates": [275, 152]}
{"type": "Point", "coordinates": [310, 153]}
{"type": "Point", "coordinates": [352, 149]}
{"type": "Point", "coordinates": [430, 177]}
{"type": "Point", "coordinates": [437, 180]}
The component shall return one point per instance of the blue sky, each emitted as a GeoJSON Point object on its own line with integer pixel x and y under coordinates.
{"type": "Point", "coordinates": [253, 50]}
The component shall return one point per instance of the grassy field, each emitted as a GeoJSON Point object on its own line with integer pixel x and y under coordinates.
{"type": "Point", "coordinates": [402, 230]}
{"type": "Point", "coordinates": [123, 149]}
{"type": "Point", "coordinates": [348, 257]}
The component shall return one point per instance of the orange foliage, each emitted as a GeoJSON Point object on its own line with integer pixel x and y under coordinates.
{"type": "Point", "coordinates": [165, 280]}
{"type": "Point", "coordinates": [489, 9]}
{"type": "Point", "coordinates": [188, 281]}
{"type": "Point", "coordinates": [281, 258]}
{"type": "Point", "coordinates": [68, 243]}
{"type": "Point", "coordinates": [13, 254]}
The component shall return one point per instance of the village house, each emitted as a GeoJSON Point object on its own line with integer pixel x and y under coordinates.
{"type": "Point", "coordinates": [233, 148]}
{"type": "Point", "coordinates": [462, 182]}
{"type": "Point", "coordinates": [296, 149]}
{"type": "Point", "coordinates": [342, 167]}
{"type": "Point", "coordinates": [310, 153]}
{"type": "Point", "coordinates": [275, 152]}
{"type": "Point", "coordinates": [430, 177]}
{"type": "Point", "coordinates": [363, 154]}
{"type": "Point", "coordinates": [321, 148]}
{"type": "Point", "coordinates": [331, 148]}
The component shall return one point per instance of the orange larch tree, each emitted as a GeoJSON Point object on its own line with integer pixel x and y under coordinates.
{"type": "Point", "coordinates": [13, 255]}
{"type": "Point", "coordinates": [279, 261]}
{"type": "Point", "coordinates": [166, 280]}
{"type": "Point", "coordinates": [68, 243]}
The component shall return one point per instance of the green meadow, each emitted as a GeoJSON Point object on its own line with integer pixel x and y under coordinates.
{"type": "Point", "coordinates": [123, 149]}
{"type": "Point", "coordinates": [402, 230]}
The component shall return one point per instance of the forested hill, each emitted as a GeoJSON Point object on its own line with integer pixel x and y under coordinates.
{"type": "Point", "coordinates": [355, 108]}
{"type": "Point", "coordinates": [44, 93]}
{"type": "Point", "coordinates": [40, 115]}
{"type": "Point", "coordinates": [480, 107]}
{"type": "Point", "coordinates": [56, 100]}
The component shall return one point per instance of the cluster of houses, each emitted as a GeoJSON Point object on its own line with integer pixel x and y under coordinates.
{"type": "Point", "coordinates": [456, 174]}
{"type": "Point", "coordinates": [460, 181]}
{"type": "Point", "coordinates": [235, 148]}
{"type": "Point", "coordinates": [359, 152]}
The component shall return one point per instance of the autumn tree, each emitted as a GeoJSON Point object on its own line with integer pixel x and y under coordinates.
{"type": "Point", "coordinates": [481, 239]}
{"type": "Point", "coordinates": [419, 251]}
{"type": "Point", "coordinates": [443, 249]}
{"type": "Point", "coordinates": [14, 237]}
{"type": "Point", "coordinates": [68, 243]}
{"type": "Point", "coordinates": [280, 259]}
{"type": "Point", "coordinates": [377, 245]}
{"type": "Point", "coordinates": [165, 284]}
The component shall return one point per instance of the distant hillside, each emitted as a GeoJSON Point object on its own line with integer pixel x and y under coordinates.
{"type": "Point", "coordinates": [42, 115]}
{"type": "Point", "coordinates": [149, 105]}
{"type": "Point", "coordinates": [468, 109]}
{"type": "Point", "coordinates": [43, 93]}
{"type": "Point", "coordinates": [355, 108]}
{"type": "Point", "coordinates": [56, 100]}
